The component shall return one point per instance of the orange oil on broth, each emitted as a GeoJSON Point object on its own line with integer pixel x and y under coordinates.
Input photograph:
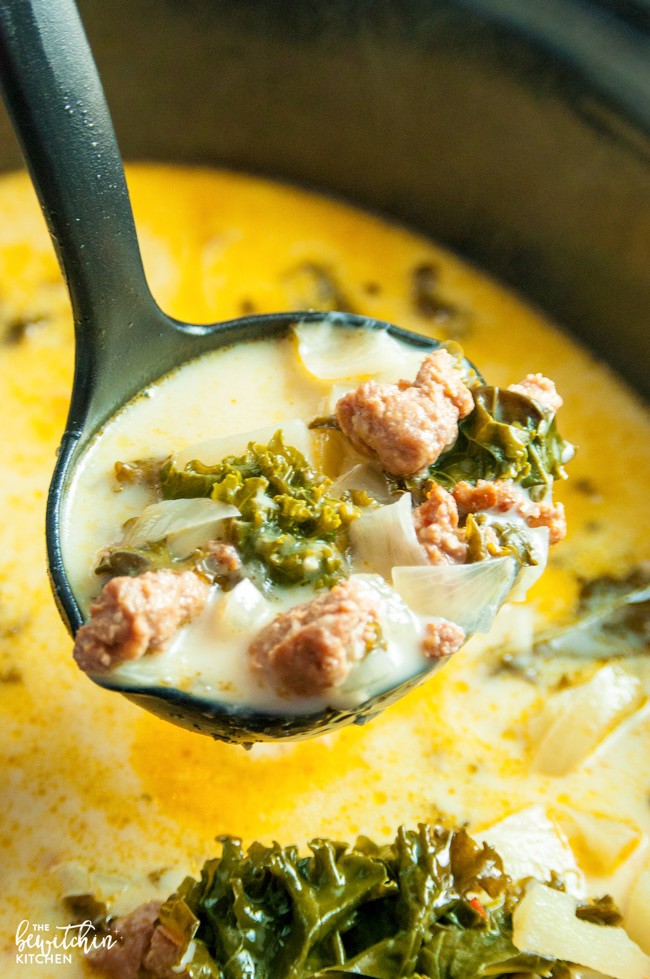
{"type": "Point", "coordinates": [87, 777]}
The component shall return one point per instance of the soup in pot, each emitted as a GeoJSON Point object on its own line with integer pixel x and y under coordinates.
{"type": "Point", "coordinates": [534, 736]}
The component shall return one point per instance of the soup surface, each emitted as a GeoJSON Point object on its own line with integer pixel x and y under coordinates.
{"type": "Point", "coordinates": [228, 528]}
{"type": "Point", "coordinates": [92, 786]}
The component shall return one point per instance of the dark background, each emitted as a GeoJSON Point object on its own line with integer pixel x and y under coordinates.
{"type": "Point", "coordinates": [517, 132]}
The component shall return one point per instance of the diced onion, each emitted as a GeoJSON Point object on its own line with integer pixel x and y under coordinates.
{"type": "Point", "coordinates": [531, 845]}
{"type": "Point", "coordinates": [330, 352]}
{"type": "Point", "coordinates": [407, 367]}
{"type": "Point", "coordinates": [468, 594]}
{"type": "Point", "coordinates": [363, 477]}
{"type": "Point", "coordinates": [545, 923]}
{"type": "Point", "coordinates": [242, 610]}
{"type": "Point", "coordinates": [367, 678]}
{"type": "Point", "coordinates": [577, 720]}
{"type": "Point", "coordinates": [185, 524]}
{"type": "Point", "coordinates": [214, 451]}
{"type": "Point", "coordinates": [637, 914]}
{"type": "Point", "coordinates": [386, 537]}
{"type": "Point", "coordinates": [336, 392]}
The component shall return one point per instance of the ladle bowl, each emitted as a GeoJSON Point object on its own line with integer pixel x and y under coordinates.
{"type": "Point", "coordinates": [124, 341]}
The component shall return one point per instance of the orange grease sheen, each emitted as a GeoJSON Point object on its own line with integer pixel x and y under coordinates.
{"type": "Point", "coordinates": [87, 777]}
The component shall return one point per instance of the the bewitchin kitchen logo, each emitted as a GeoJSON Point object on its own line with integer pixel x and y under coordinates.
{"type": "Point", "coordinates": [41, 944]}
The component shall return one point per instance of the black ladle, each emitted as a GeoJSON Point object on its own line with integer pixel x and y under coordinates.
{"type": "Point", "coordinates": [124, 342]}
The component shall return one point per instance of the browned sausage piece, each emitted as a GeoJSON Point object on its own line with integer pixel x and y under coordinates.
{"type": "Point", "coordinates": [436, 526]}
{"type": "Point", "coordinates": [141, 945]}
{"type": "Point", "coordinates": [504, 495]}
{"type": "Point", "coordinates": [441, 639]}
{"type": "Point", "coordinates": [311, 647]}
{"type": "Point", "coordinates": [225, 557]}
{"type": "Point", "coordinates": [135, 615]}
{"type": "Point", "coordinates": [408, 425]}
{"type": "Point", "coordinates": [540, 389]}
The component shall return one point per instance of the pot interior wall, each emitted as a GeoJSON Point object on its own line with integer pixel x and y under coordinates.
{"type": "Point", "coordinates": [518, 136]}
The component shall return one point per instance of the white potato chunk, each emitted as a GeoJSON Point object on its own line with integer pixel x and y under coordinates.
{"type": "Point", "coordinates": [545, 923]}
{"type": "Point", "coordinates": [575, 722]}
{"type": "Point", "coordinates": [531, 845]}
{"type": "Point", "coordinates": [242, 610]}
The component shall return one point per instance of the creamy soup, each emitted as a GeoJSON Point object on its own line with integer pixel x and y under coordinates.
{"type": "Point", "coordinates": [98, 796]}
{"type": "Point", "coordinates": [415, 599]}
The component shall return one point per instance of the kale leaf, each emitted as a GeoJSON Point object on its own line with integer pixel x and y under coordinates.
{"type": "Point", "coordinates": [612, 618]}
{"type": "Point", "coordinates": [506, 436]}
{"type": "Point", "coordinates": [290, 530]}
{"type": "Point", "coordinates": [433, 904]}
{"type": "Point", "coordinates": [600, 911]}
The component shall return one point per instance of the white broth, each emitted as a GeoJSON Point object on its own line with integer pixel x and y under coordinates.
{"type": "Point", "coordinates": [181, 418]}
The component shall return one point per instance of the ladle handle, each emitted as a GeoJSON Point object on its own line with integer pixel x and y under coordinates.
{"type": "Point", "coordinates": [59, 112]}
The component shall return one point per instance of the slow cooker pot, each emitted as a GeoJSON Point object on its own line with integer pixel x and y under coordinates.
{"type": "Point", "coordinates": [516, 133]}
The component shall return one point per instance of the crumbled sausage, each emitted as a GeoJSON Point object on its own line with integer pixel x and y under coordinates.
{"type": "Point", "coordinates": [441, 639]}
{"type": "Point", "coordinates": [222, 563]}
{"type": "Point", "coordinates": [436, 526]}
{"type": "Point", "coordinates": [504, 495]}
{"type": "Point", "coordinates": [488, 494]}
{"type": "Point", "coordinates": [135, 615]}
{"type": "Point", "coordinates": [162, 955]}
{"type": "Point", "coordinates": [142, 944]}
{"type": "Point", "coordinates": [439, 370]}
{"type": "Point", "coordinates": [225, 555]}
{"type": "Point", "coordinates": [540, 389]}
{"type": "Point", "coordinates": [549, 515]}
{"type": "Point", "coordinates": [408, 425]}
{"type": "Point", "coordinates": [311, 647]}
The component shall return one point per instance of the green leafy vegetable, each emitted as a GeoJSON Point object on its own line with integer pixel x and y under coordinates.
{"type": "Point", "coordinates": [506, 436]}
{"type": "Point", "coordinates": [433, 904]}
{"type": "Point", "coordinates": [86, 907]}
{"type": "Point", "coordinates": [313, 286]}
{"type": "Point", "coordinates": [290, 530]}
{"type": "Point", "coordinates": [428, 302]}
{"type": "Point", "coordinates": [489, 539]}
{"type": "Point", "coordinates": [142, 472]}
{"type": "Point", "coordinates": [600, 911]}
{"type": "Point", "coordinates": [123, 559]}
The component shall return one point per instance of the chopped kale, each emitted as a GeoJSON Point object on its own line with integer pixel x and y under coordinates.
{"type": "Point", "coordinates": [600, 911]}
{"type": "Point", "coordinates": [143, 472]}
{"type": "Point", "coordinates": [324, 422]}
{"type": "Point", "coordinates": [612, 618]}
{"type": "Point", "coordinates": [506, 436]}
{"type": "Point", "coordinates": [433, 904]}
{"type": "Point", "coordinates": [313, 286]}
{"type": "Point", "coordinates": [86, 907]}
{"type": "Point", "coordinates": [428, 302]}
{"type": "Point", "coordinates": [487, 539]}
{"type": "Point", "coordinates": [20, 328]}
{"type": "Point", "coordinates": [290, 531]}
{"type": "Point", "coordinates": [124, 559]}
